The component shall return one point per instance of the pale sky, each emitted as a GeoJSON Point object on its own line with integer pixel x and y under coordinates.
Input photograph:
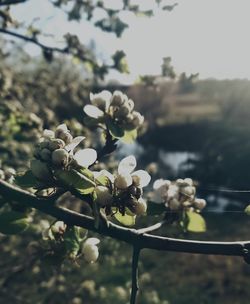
{"type": "Point", "coordinates": [210, 37]}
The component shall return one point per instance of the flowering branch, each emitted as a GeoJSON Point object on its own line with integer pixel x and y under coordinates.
{"type": "Point", "coordinates": [128, 235]}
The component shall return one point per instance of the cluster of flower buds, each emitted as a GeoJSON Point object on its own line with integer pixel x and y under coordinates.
{"type": "Point", "coordinates": [55, 231]}
{"type": "Point", "coordinates": [56, 151]}
{"type": "Point", "coordinates": [117, 107]}
{"type": "Point", "coordinates": [90, 250]}
{"type": "Point", "coordinates": [124, 191]}
{"type": "Point", "coordinates": [8, 174]}
{"type": "Point", "coordinates": [177, 195]}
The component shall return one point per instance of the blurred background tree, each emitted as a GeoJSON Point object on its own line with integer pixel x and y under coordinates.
{"type": "Point", "coordinates": [197, 128]}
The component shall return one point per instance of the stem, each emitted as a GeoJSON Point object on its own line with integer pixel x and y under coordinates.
{"type": "Point", "coordinates": [135, 285]}
{"type": "Point", "coordinates": [34, 41]}
{"type": "Point", "coordinates": [152, 228]}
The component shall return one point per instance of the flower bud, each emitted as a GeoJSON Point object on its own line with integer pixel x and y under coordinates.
{"type": "Point", "coordinates": [136, 180]}
{"type": "Point", "coordinates": [117, 99]}
{"type": "Point", "coordinates": [130, 105]}
{"type": "Point", "coordinates": [188, 181]}
{"type": "Point", "coordinates": [58, 228]}
{"type": "Point", "coordinates": [45, 154]}
{"type": "Point", "coordinates": [188, 190]}
{"type": "Point", "coordinates": [123, 181]}
{"type": "Point", "coordinates": [172, 192]}
{"type": "Point", "coordinates": [40, 170]}
{"type": "Point", "coordinates": [60, 157]}
{"type": "Point", "coordinates": [48, 134]}
{"type": "Point", "coordinates": [44, 144]}
{"type": "Point", "coordinates": [9, 173]}
{"type": "Point", "coordinates": [200, 203]}
{"type": "Point", "coordinates": [56, 143]}
{"type": "Point", "coordinates": [141, 207]}
{"type": "Point", "coordinates": [90, 252]}
{"type": "Point", "coordinates": [104, 196]}
{"type": "Point", "coordinates": [174, 204]}
{"type": "Point", "coordinates": [66, 137]}
{"type": "Point", "coordinates": [122, 111]}
{"type": "Point", "coordinates": [138, 119]}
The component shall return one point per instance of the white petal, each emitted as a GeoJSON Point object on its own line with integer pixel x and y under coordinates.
{"type": "Point", "coordinates": [104, 97]}
{"type": "Point", "coordinates": [85, 157]}
{"type": "Point", "coordinates": [48, 134]}
{"type": "Point", "coordinates": [143, 176]}
{"type": "Point", "coordinates": [93, 111]}
{"type": "Point", "coordinates": [160, 183]}
{"type": "Point", "coordinates": [75, 142]}
{"type": "Point", "coordinates": [104, 173]}
{"type": "Point", "coordinates": [127, 164]}
{"type": "Point", "coordinates": [92, 241]}
{"type": "Point", "coordinates": [63, 128]}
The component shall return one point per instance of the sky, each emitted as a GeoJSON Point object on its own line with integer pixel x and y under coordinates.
{"type": "Point", "coordinates": [209, 37]}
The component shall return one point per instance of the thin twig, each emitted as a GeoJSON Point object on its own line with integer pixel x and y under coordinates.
{"type": "Point", "coordinates": [11, 2]}
{"type": "Point", "coordinates": [135, 285]}
{"type": "Point", "coordinates": [34, 41]}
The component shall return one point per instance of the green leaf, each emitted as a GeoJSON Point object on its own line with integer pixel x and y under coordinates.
{"type": "Point", "coordinates": [247, 210]}
{"type": "Point", "coordinates": [129, 137]}
{"type": "Point", "coordinates": [27, 180]}
{"type": "Point", "coordinates": [126, 220]}
{"type": "Point", "coordinates": [86, 172]}
{"type": "Point", "coordinates": [72, 241]}
{"type": "Point", "coordinates": [103, 180]}
{"type": "Point", "coordinates": [114, 129]}
{"type": "Point", "coordinates": [155, 209]}
{"type": "Point", "coordinates": [76, 180]}
{"type": "Point", "coordinates": [196, 222]}
{"type": "Point", "coordinates": [13, 222]}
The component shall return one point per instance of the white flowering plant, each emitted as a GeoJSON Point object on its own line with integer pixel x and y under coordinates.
{"type": "Point", "coordinates": [61, 167]}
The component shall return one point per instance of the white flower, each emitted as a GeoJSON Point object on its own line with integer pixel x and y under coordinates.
{"type": "Point", "coordinates": [123, 180]}
{"type": "Point", "coordinates": [101, 100]}
{"type": "Point", "coordinates": [75, 142]}
{"type": "Point", "coordinates": [160, 187]}
{"type": "Point", "coordinates": [140, 177]}
{"type": "Point", "coordinates": [104, 173]}
{"type": "Point", "coordinates": [85, 157]}
{"type": "Point", "coordinates": [90, 250]}
{"type": "Point", "coordinates": [100, 104]}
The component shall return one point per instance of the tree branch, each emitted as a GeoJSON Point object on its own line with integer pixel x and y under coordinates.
{"type": "Point", "coordinates": [131, 236]}
{"type": "Point", "coordinates": [11, 2]}
{"type": "Point", "coordinates": [135, 285]}
{"type": "Point", "coordinates": [34, 41]}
